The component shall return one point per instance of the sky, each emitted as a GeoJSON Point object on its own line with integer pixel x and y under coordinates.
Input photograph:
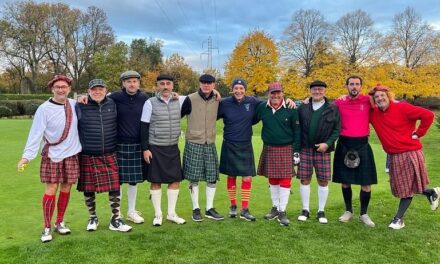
{"type": "Point", "coordinates": [184, 26]}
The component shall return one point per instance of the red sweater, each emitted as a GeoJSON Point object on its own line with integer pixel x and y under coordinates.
{"type": "Point", "coordinates": [395, 126]}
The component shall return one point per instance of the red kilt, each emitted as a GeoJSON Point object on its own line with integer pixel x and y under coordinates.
{"type": "Point", "coordinates": [312, 159]}
{"type": "Point", "coordinates": [65, 171]}
{"type": "Point", "coordinates": [99, 173]}
{"type": "Point", "coordinates": [408, 174]}
{"type": "Point", "coordinates": [276, 162]}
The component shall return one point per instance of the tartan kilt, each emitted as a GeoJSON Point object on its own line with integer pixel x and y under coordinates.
{"type": "Point", "coordinates": [65, 171]}
{"type": "Point", "coordinates": [312, 159]}
{"type": "Point", "coordinates": [200, 162]}
{"type": "Point", "coordinates": [276, 162]}
{"type": "Point", "coordinates": [165, 166]}
{"type": "Point", "coordinates": [408, 174]}
{"type": "Point", "coordinates": [131, 163]}
{"type": "Point", "coordinates": [237, 159]}
{"type": "Point", "coordinates": [99, 173]}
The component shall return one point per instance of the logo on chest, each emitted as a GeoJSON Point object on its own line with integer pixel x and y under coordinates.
{"type": "Point", "coordinates": [247, 107]}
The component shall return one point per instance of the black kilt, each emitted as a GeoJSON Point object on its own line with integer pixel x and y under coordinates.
{"type": "Point", "coordinates": [165, 166]}
{"type": "Point", "coordinates": [365, 173]}
{"type": "Point", "coordinates": [237, 159]}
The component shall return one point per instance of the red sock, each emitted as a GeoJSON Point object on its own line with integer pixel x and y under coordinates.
{"type": "Point", "coordinates": [63, 201]}
{"type": "Point", "coordinates": [245, 193]}
{"type": "Point", "coordinates": [48, 208]}
{"type": "Point", "coordinates": [232, 190]}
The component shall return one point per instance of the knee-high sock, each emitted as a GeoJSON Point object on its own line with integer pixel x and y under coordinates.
{"type": "Point", "coordinates": [48, 208]}
{"type": "Point", "coordinates": [63, 201]}
{"type": "Point", "coordinates": [194, 193]}
{"type": "Point", "coordinates": [322, 197]}
{"type": "Point", "coordinates": [210, 193]}
{"type": "Point", "coordinates": [284, 198]}
{"type": "Point", "coordinates": [245, 193]}
{"type": "Point", "coordinates": [275, 195]}
{"type": "Point", "coordinates": [348, 196]}
{"type": "Point", "coordinates": [364, 197]}
{"type": "Point", "coordinates": [156, 199]}
{"type": "Point", "coordinates": [89, 199]}
{"type": "Point", "coordinates": [114, 198]}
{"type": "Point", "coordinates": [232, 190]}
{"type": "Point", "coordinates": [172, 201]}
{"type": "Point", "coordinates": [304, 190]}
{"type": "Point", "coordinates": [403, 206]}
{"type": "Point", "coordinates": [131, 197]}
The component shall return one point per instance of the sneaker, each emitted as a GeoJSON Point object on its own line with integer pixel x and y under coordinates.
{"type": "Point", "coordinates": [197, 216]}
{"type": "Point", "coordinates": [175, 219]}
{"type": "Point", "coordinates": [46, 235]}
{"type": "Point", "coordinates": [321, 217]}
{"type": "Point", "coordinates": [273, 213]}
{"type": "Point", "coordinates": [304, 215]}
{"type": "Point", "coordinates": [62, 229]}
{"type": "Point", "coordinates": [366, 220]}
{"type": "Point", "coordinates": [233, 211]}
{"type": "Point", "coordinates": [93, 224]}
{"type": "Point", "coordinates": [212, 214]}
{"type": "Point", "coordinates": [434, 199]}
{"type": "Point", "coordinates": [246, 215]}
{"type": "Point", "coordinates": [119, 225]}
{"type": "Point", "coordinates": [135, 217]}
{"type": "Point", "coordinates": [282, 218]}
{"type": "Point", "coordinates": [397, 223]}
{"type": "Point", "coordinates": [347, 216]}
{"type": "Point", "coordinates": [157, 221]}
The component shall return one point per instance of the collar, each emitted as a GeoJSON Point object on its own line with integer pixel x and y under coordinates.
{"type": "Point", "coordinates": [203, 95]}
{"type": "Point", "coordinates": [283, 105]}
{"type": "Point", "coordinates": [131, 95]}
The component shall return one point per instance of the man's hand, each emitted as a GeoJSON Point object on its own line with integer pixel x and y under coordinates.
{"type": "Point", "coordinates": [148, 156]}
{"type": "Point", "coordinates": [290, 103]}
{"type": "Point", "coordinates": [217, 95]}
{"type": "Point", "coordinates": [296, 159]}
{"type": "Point", "coordinates": [82, 99]}
{"type": "Point", "coordinates": [22, 165]}
{"type": "Point", "coordinates": [321, 147]}
{"type": "Point", "coordinates": [175, 96]}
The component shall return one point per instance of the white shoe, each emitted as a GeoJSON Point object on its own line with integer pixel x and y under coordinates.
{"type": "Point", "coordinates": [157, 221]}
{"type": "Point", "coordinates": [347, 216]}
{"type": "Point", "coordinates": [366, 220]}
{"type": "Point", "coordinates": [93, 224]}
{"type": "Point", "coordinates": [397, 223]}
{"type": "Point", "coordinates": [321, 217]}
{"type": "Point", "coordinates": [119, 225]}
{"type": "Point", "coordinates": [62, 229]}
{"type": "Point", "coordinates": [135, 217]}
{"type": "Point", "coordinates": [434, 201]}
{"type": "Point", "coordinates": [176, 219]}
{"type": "Point", "coordinates": [46, 235]}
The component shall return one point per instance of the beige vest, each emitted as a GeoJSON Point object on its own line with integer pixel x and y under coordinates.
{"type": "Point", "coordinates": [201, 121]}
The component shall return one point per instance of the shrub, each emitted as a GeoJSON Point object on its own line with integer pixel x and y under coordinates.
{"type": "Point", "coordinates": [5, 111]}
{"type": "Point", "coordinates": [24, 96]}
{"type": "Point", "coordinates": [19, 107]}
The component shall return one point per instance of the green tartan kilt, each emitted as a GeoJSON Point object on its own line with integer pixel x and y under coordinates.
{"type": "Point", "coordinates": [200, 162]}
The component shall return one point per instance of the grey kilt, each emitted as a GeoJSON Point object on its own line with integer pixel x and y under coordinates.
{"type": "Point", "coordinates": [131, 163]}
{"type": "Point", "coordinates": [200, 162]}
{"type": "Point", "coordinates": [237, 159]}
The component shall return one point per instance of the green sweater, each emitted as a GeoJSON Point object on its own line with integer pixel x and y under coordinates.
{"type": "Point", "coordinates": [279, 128]}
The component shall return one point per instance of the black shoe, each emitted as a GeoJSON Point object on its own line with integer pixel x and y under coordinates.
{"type": "Point", "coordinates": [304, 215]}
{"type": "Point", "coordinates": [212, 214]}
{"type": "Point", "coordinates": [273, 213]}
{"type": "Point", "coordinates": [233, 211]}
{"type": "Point", "coordinates": [282, 219]}
{"type": "Point", "coordinates": [321, 217]}
{"type": "Point", "coordinates": [246, 215]}
{"type": "Point", "coordinates": [197, 216]}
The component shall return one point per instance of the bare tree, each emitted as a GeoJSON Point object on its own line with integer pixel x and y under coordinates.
{"type": "Point", "coordinates": [308, 27]}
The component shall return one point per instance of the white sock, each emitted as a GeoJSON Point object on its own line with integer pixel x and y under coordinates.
{"type": "Point", "coordinates": [322, 197]}
{"type": "Point", "coordinates": [156, 198]}
{"type": "Point", "coordinates": [131, 197]}
{"type": "Point", "coordinates": [194, 192]}
{"type": "Point", "coordinates": [172, 201]}
{"type": "Point", "coordinates": [284, 198]}
{"type": "Point", "coordinates": [275, 195]}
{"type": "Point", "coordinates": [210, 193]}
{"type": "Point", "coordinates": [304, 190]}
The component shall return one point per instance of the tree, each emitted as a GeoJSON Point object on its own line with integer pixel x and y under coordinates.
{"type": "Point", "coordinates": [145, 55]}
{"type": "Point", "coordinates": [255, 59]}
{"type": "Point", "coordinates": [185, 79]}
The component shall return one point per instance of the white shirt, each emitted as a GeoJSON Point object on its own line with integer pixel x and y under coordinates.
{"type": "Point", "coordinates": [148, 108]}
{"type": "Point", "coordinates": [49, 122]}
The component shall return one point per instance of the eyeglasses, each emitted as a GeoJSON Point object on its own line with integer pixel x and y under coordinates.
{"type": "Point", "coordinates": [62, 87]}
{"type": "Point", "coordinates": [164, 83]}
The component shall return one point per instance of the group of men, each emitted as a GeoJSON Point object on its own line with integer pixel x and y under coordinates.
{"type": "Point", "coordinates": [103, 141]}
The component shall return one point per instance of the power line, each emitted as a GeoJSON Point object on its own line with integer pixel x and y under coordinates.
{"type": "Point", "coordinates": [208, 52]}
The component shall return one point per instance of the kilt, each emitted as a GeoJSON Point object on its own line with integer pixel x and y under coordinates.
{"type": "Point", "coordinates": [65, 171]}
{"type": "Point", "coordinates": [200, 162]}
{"type": "Point", "coordinates": [165, 165]}
{"type": "Point", "coordinates": [312, 159]}
{"type": "Point", "coordinates": [131, 163]}
{"type": "Point", "coordinates": [276, 162]}
{"type": "Point", "coordinates": [237, 159]}
{"type": "Point", "coordinates": [365, 173]}
{"type": "Point", "coordinates": [99, 173]}
{"type": "Point", "coordinates": [408, 174]}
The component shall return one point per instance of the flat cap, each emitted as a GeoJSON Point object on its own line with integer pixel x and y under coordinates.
{"type": "Point", "coordinates": [207, 78]}
{"type": "Point", "coordinates": [165, 76]}
{"type": "Point", "coordinates": [96, 82]}
{"type": "Point", "coordinates": [130, 74]}
{"type": "Point", "coordinates": [318, 83]}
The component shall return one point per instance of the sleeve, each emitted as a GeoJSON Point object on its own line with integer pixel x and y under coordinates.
{"type": "Point", "coordinates": [145, 134]}
{"type": "Point", "coordinates": [186, 107]}
{"type": "Point", "coordinates": [296, 131]}
{"type": "Point", "coordinates": [220, 110]}
{"type": "Point", "coordinates": [146, 112]}
{"type": "Point", "coordinates": [35, 135]}
{"type": "Point", "coordinates": [425, 116]}
{"type": "Point", "coordinates": [336, 129]}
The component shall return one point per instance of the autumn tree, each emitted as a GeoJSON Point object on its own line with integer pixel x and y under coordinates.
{"type": "Point", "coordinates": [255, 59]}
{"type": "Point", "coordinates": [185, 79]}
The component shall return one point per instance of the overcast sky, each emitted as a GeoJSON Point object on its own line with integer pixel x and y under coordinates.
{"type": "Point", "coordinates": [184, 26]}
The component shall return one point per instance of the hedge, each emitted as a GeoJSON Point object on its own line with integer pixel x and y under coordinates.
{"type": "Point", "coordinates": [19, 107]}
{"type": "Point", "coordinates": [24, 96]}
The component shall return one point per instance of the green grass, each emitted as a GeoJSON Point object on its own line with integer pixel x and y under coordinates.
{"type": "Point", "coordinates": [228, 241]}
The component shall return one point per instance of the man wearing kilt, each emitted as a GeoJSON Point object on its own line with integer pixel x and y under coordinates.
{"type": "Point", "coordinates": [55, 123]}
{"type": "Point", "coordinates": [160, 131]}
{"type": "Point", "coordinates": [353, 160]}
{"type": "Point", "coordinates": [97, 125]}
{"type": "Point", "coordinates": [320, 126]}
{"type": "Point", "coordinates": [281, 138]}
{"type": "Point", "coordinates": [395, 125]}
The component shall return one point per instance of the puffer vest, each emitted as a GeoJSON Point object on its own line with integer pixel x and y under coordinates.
{"type": "Point", "coordinates": [164, 122]}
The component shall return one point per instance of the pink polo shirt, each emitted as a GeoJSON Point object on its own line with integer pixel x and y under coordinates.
{"type": "Point", "coordinates": [354, 115]}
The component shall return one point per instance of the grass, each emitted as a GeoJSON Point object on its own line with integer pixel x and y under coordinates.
{"type": "Point", "coordinates": [228, 241]}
